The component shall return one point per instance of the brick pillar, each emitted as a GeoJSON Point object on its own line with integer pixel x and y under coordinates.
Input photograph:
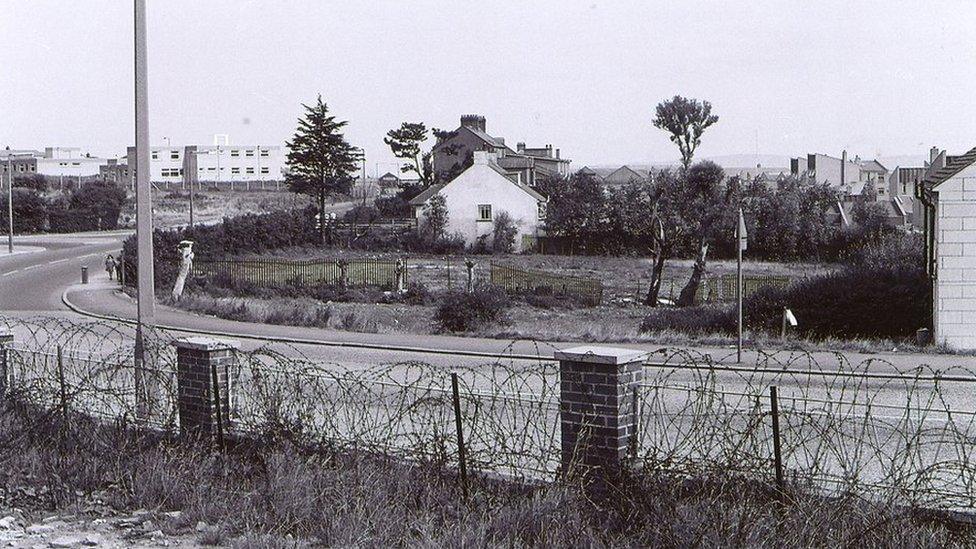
{"type": "Point", "coordinates": [196, 358]}
{"type": "Point", "coordinates": [6, 339]}
{"type": "Point", "coordinates": [596, 405]}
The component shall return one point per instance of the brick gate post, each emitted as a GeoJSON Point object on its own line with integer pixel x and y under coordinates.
{"type": "Point", "coordinates": [6, 339]}
{"type": "Point", "coordinates": [196, 360]}
{"type": "Point", "coordinates": [596, 406]}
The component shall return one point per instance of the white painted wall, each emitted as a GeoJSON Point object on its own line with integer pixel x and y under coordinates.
{"type": "Point", "coordinates": [224, 163]}
{"type": "Point", "coordinates": [955, 287]}
{"type": "Point", "coordinates": [69, 167]}
{"type": "Point", "coordinates": [481, 184]}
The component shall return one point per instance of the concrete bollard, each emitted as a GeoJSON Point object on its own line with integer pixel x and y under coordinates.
{"type": "Point", "coordinates": [84, 275]}
{"type": "Point", "coordinates": [469, 265]}
{"type": "Point", "coordinates": [198, 360]}
{"type": "Point", "coordinates": [598, 421]}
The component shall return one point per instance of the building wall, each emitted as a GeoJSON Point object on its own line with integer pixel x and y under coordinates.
{"type": "Point", "coordinates": [955, 248]}
{"type": "Point", "coordinates": [223, 163]}
{"type": "Point", "coordinates": [69, 167]}
{"type": "Point", "coordinates": [828, 170]}
{"type": "Point", "coordinates": [481, 184]}
{"type": "Point", "coordinates": [465, 143]}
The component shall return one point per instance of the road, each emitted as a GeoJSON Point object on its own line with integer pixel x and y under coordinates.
{"type": "Point", "coordinates": [35, 283]}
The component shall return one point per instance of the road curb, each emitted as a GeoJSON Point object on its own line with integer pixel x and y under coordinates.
{"type": "Point", "coordinates": [302, 341]}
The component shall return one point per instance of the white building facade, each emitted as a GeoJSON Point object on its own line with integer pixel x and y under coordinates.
{"type": "Point", "coordinates": [950, 196]}
{"type": "Point", "coordinates": [479, 194]}
{"type": "Point", "coordinates": [218, 163]}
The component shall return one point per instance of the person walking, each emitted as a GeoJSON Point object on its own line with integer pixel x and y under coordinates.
{"type": "Point", "coordinates": [110, 266]}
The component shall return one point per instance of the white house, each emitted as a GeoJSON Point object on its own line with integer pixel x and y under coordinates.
{"type": "Point", "coordinates": [480, 193]}
{"type": "Point", "coordinates": [948, 193]}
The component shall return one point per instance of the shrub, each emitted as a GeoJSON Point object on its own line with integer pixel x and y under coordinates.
{"type": "Point", "coordinates": [362, 215]}
{"type": "Point", "coordinates": [33, 181]}
{"type": "Point", "coordinates": [543, 297]}
{"type": "Point", "coordinates": [94, 206]}
{"type": "Point", "coordinates": [703, 319]}
{"type": "Point", "coordinates": [860, 301]}
{"type": "Point", "coordinates": [503, 234]}
{"type": "Point", "coordinates": [30, 211]}
{"type": "Point", "coordinates": [462, 311]}
{"type": "Point", "coordinates": [393, 206]}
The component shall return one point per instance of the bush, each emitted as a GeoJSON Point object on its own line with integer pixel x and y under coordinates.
{"type": "Point", "coordinates": [363, 215]}
{"type": "Point", "coordinates": [503, 234]}
{"type": "Point", "coordinates": [30, 211]}
{"type": "Point", "coordinates": [700, 320]}
{"type": "Point", "coordinates": [862, 301]}
{"type": "Point", "coordinates": [543, 297]}
{"type": "Point", "coordinates": [393, 206]}
{"type": "Point", "coordinates": [95, 206]}
{"type": "Point", "coordinates": [462, 311]}
{"type": "Point", "coordinates": [33, 181]}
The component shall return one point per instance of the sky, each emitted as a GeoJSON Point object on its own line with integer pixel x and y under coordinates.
{"type": "Point", "coordinates": [785, 77]}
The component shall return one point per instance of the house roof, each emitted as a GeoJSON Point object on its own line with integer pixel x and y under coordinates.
{"type": "Point", "coordinates": [954, 165]}
{"type": "Point", "coordinates": [389, 175]}
{"type": "Point", "coordinates": [625, 171]}
{"type": "Point", "coordinates": [423, 197]}
{"type": "Point", "coordinates": [873, 166]}
{"type": "Point", "coordinates": [493, 141]}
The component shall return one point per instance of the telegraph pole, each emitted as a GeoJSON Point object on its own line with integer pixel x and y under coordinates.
{"type": "Point", "coordinates": [740, 244]}
{"type": "Point", "coordinates": [146, 312]}
{"type": "Point", "coordinates": [10, 207]}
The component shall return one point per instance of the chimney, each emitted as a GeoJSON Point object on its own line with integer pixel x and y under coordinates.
{"type": "Point", "coordinates": [520, 147]}
{"type": "Point", "coordinates": [934, 153]}
{"type": "Point", "coordinates": [500, 140]}
{"type": "Point", "coordinates": [482, 158]}
{"type": "Point", "coordinates": [557, 154]}
{"type": "Point", "coordinates": [474, 121]}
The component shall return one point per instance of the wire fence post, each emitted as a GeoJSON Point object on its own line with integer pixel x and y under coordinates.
{"type": "Point", "coordinates": [635, 412]}
{"type": "Point", "coordinates": [220, 415]}
{"type": "Point", "coordinates": [777, 451]}
{"type": "Point", "coordinates": [6, 338]}
{"type": "Point", "coordinates": [62, 388]}
{"type": "Point", "coordinates": [462, 460]}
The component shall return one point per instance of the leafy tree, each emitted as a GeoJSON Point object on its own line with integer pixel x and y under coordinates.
{"type": "Point", "coordinates": [503, 234]}
{"type": "Point", "coordinates": [435, 218]}
{"type": "Point", "coordinates": [703, 201]}
{"type": "Point", "coordinates": [577, 208]}
{"type": "Point", "coordinates": [321, 163]}
{"type": "Point", "coordinates": [94, 206]}
{"type": "Point", "coordinates": [685, 120]}
{"type": "Point", "coordinates": [34, 181]}
{"type": "Point", "coordinates": [406, 142]}
{"type": "Point", "coordinates": [30, 211]}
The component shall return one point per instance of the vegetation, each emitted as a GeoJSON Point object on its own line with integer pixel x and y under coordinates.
{"type": "Point", "coordinates": [320, 160]}
{"type": "Point", "coordinates": [685, 120]}
{"type": "Point", "coordinates": [30, 211]}
{"type": "Point", "coordinates": [503, 234]}
{"type": "Point", "coordinates": [465, 311]}
{"type": "Point", "coordinates": [94, 206]}
{"type": "Point", "coordinates": [405, 142]}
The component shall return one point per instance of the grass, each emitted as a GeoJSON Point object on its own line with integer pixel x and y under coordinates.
{"type": "Point", "coordinates": [172, 207]}
{"type": "Point", "coordinates": [265, 495]}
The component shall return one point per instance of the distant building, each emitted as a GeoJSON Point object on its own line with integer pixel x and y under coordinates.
{"type": "Point", "coordinates": [875, 174]}
{"type": "Point", "coordinates": [212, 163]}
{"type": "Point", "coordinates": [52, 162]}
{"type": "Point", "coordinates": [452, 153]}
{"type": "Point", "coordinates": [481, 192]}
{"type": "Point", "coordinates": [948, 195]}
{"type": "Point", "coordinates": [839, 173]}
{"type": "Point", "coordinates": [624, 175]}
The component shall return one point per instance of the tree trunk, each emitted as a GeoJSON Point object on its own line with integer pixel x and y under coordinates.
{"type": "Point", "coordinates": [657, 275]}
{"type": "Point", "coordinates": [322, 220]}
{"type": "Point", "coordinates": [690, 291]}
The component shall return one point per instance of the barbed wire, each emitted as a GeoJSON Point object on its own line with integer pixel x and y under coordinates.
{"type": "Point", "coordinates": [869, 428]}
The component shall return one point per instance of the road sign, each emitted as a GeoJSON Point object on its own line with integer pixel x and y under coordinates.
{"type": "Point", "coordinates": [743, 235]}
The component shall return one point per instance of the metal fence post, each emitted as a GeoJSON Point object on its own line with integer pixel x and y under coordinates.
{"type": "Point", "coordinates": [6, 338]}
{"type": "Point", "coordinates": [61, 385]}
{"type": "Point", "coordinates": [777, 452]}
{"type": "Point", "coordinates": [462, 459]}
{"type": "Point", "coordinates": [216, 397]}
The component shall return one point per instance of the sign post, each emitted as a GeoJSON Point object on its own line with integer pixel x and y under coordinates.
{"type": "Point", "coordinates": [741, 239]}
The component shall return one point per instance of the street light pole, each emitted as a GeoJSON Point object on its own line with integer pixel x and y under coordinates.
{"type": "Point", "coordinates": [10, 207]}
{"type": "Point", "coordinates": [146, 302]}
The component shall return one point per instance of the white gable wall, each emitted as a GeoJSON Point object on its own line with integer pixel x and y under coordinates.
{"type": "Point", "coordinates": [955, 287]}
{"type": "Point", "coordinates": [481, 184]}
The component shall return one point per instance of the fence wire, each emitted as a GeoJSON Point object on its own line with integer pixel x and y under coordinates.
{"type": "Point", "coordinates": [865, 428]}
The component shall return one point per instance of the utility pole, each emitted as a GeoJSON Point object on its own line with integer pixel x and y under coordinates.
{"type": "Point", "coordinates": [146, 312]}
{"type": "Point", "coordinates": [740, 244]}
{"type": "Point", "coordinates": [10, 207]}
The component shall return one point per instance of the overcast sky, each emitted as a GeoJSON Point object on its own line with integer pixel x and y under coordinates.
{"type": "Point", "coordinates": [877, 78]}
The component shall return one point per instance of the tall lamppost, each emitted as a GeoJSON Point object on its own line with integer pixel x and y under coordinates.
{"type": "Point", "coordinates": [146, 302]}
{"type": "Point", "coordinates": [10, 207]}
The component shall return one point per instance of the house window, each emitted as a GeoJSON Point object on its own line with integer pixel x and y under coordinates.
{"type": "Point", "coordinates": [235, 153]}
{"type": "Point", "coordinates": [235, 170]}
{"type": "Point", "coordinates": [175, 155]}
{"type": "Point", "coordinates": [264, 152]}
{"type": "Point", "coordinates": [484, 212]}
{"type": "Point", "coordinates": [250, 170]}
{"type": "Point", "coordinates": [155, 155]}
{"type": "Point", "coordinates": [249, 152]}
{"type": "Point", "coordinates": [265, 169]}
